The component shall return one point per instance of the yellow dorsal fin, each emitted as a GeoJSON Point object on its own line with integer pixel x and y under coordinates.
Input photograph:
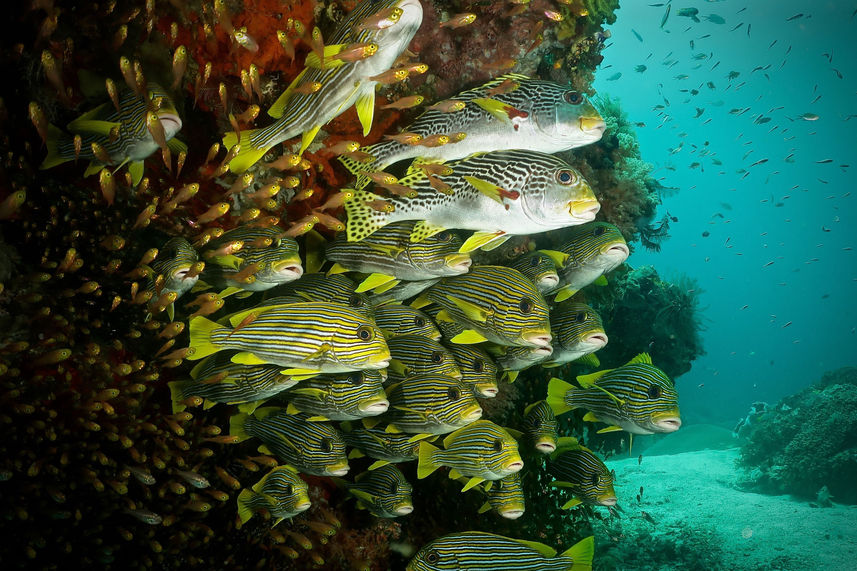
{"type": "Point", "coordinates": [559, 258]}
{"type": "Point", "coordinates": [545, 550]}
{"type": "Point", "coordinates": [247, 358]}
{"type": "Point", "coordinates": [276, 110]}
{"type": "Point", "coordinates": [588, 381]}
{"type": "Point", "coordinates": [313, 61]}
{"type": "Point", "coordinates": [641, 358]}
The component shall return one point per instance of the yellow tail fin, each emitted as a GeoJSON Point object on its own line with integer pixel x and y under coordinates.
{"type": "Point", "coordinates": [55, 135]}
{"type": "Point", "coordinates": [248, 155]}
{"type": "Point", "coordinates": [177, 394]}
{"type": "Point", "coordinates": [201, 330]}
{"type": "Point", "coordinates": [245, 512]}
{"type": "Point", "coordinates": [237, 426]}
{"type": "Point", "coordinates": [426, 464]}
{"type": "Point", "coordinates": [581, 554]}
{"type": "Point", "coordinates": [557, 389]}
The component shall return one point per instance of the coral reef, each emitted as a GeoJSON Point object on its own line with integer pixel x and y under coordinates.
{"type": "Point", "coordinates": [806, 445]}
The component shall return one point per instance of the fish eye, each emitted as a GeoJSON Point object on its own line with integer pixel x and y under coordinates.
{"type": "Point", "coordinates": [432, 557]}
{"type": "Point", "coordinates": [654, 391]}
{"type": "Point", "coordinates": [537, 423]}
{"type": "Point", "coordinates": [287, 489]}
{"type": "Point", "coordinates": [497, 445]}
{"type": "Point", "coordinates": [355, 301]}
{"type": "Point", "coordinates": [566, 176]}
{"type": "Point", "coordinates": [420, 321]}
{"type": "Point", "coordinates": [453, 394]}
{"type": "Point", "coordinates": [365, 333]}
{"type": "Point", "coordinates": [599, 230]}
{"type": "Point", "coordinates": [478, 365]}
{"type": "Point", "coordinates": [394, 487]}
{"type": "Point", "coordinates": [534, 261]}
{"type": "Point", "coordinates": [356, 378]}
{"type": "Point", "coordinates": [526, 305]}
{"type": "Point", "coordinates": [579, 317]}
{"type": "Point", "coordinates": [327, 445]}
{"type": "Point", "coordinates": [437, 357]}
{"type": "Point", "coordinates": [573, 97]}
{"type": "Point", "coordinates": [594, 480]}
{"type": "Point", "coordinates": [444, 236]}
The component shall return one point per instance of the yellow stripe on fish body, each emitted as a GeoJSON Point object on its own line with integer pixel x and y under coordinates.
{"type": "Point", "coordinates": [539, 268]}
{"type": "Point", "coordinates": [584, 474]}
{"type": "Point", "coordinates": [577, 331]}
{"type": "Point", "coordinates": [541, 427]}
{"type": "Point", "coordinates": [312, 447]}
{"type": "Point", "coordinates": [506, 497]}
{"type": "Point", "coordinates": [389, 251]}
{"type": "Point", "coordinates": [340, 87]}
{"type": "Point", "coordinates": [478, 370]}
{"type": "Point", "coordinates": [478, 551]}
{"type": "Point", "coordinates": [318, 287]}
{"type": "Point", "coordinates": [385, 492]}
{"type": "Point", "coordinates": [312, 336]}
{"type": "Point", "coordinates": [480, 451]}
{"type": "Point", "coordinates": [346, 396]}
{"type": "Point", "coordinates": [530, 192]}
{"type": "Point", "coordinates": [378, 443]}
{"type": "Point", "coordinates": [636, 397]}
{"type": "Point", "coordinates": [416, 355]}
{"type": "Point", "coordinates": [547, 117]}
{"type": "Point", "coordinates": [237, 383]}
{"type": "Point", "coordinates": [497, 302]}
{"type": "Point", "coordinates": [431, 404]}
{"type": "Point", "coordinates": [279, 262]}
{"type": "Point", "coordinates": [281, 491]}
{"type": "Point", "coordinates": [395, 319]}
{"type": "Point", "coordinates": [590, 251]}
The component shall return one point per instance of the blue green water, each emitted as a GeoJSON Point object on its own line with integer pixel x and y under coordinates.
{"type": "Point", "coordinates": [777, 271]}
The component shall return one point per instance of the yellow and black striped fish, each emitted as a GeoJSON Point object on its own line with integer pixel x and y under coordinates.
{"type": "Point", "coordinates": [578, 469]}
{"type": "Point", "coordinates": [539, 268]}
{"type": "Point", "coordinates": [306, 338]}
{"type": "Point", "coordinates": [492, 303]}
{"type": "Point", "coordinates": [540, 426]}
{"type": "Point", "coordinates": [275, 254]}
{"type": "Point", "coordinates": [345, 396]}
{"type": "Point", "coordinates": [319, 287]}
{"type": "Point", "coordinates": [430, 404]}
{"type": "Point", "coordinates": [389, 256]}
{"type": "Point", "coordinates": [385, 447]}
{"type": "Point", "coordinates": [218, 380]}
{"type": "Point", "coordinates": [281, 491]}
{"type": "Point", "coordinates": [636, 397]}
{"type": "Point", "coordinates": [340, 84]}
{"type": "Point", "coordinates": [577, 331]}
{"type": "Point", "coordinates": [478, 370]}
{"type": "Point", "coordinates": [385, 492]}
{"type": "Point", "coordinates": [123, 134]}
{"type": "Point", "coordinates": [506, 497]}
{"type": "Point", "coordinates": [590, 251]}
{"type": "Point", "coordinates": [480, 451]}
{"type": "Point", "coordinates": [312, 447]}
{"type": "Point", "coordinates": [395, 319]}
{"type": "Point", "coordinates": [513, 360]}
{"type": "Point", "coordinates": [177, 259]}
{"type": "Point", "coordinates": [481, 551]}
{"type": "Point", "coordinates": [412, 355]}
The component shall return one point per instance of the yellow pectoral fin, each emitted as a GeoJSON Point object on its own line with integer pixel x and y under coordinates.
{"type": "Point", "coordinates": [366, 110]}
{"type": "Point", "coordinates": [337, 268]}
{"type": "Point", "coordinates": [489, 189]}
{"type": "Point", "coordinates": [308, 137]}
{"type": "Point", "coordinates": [610, 429]}
{"type": "Point", "coordinates": [485, 507]}
{"type": "Point", "coordinates": [247, 358]}
{"type": "Point", "coordinates": [468, 337]}
{"type": "Point", "coordinates": [496, 108]}
{"type": "Point", "coordinates": [590, 417]}
{"type": "Point", "coordinates": [572, 503]}
{"type": "Point", "coordinates": [386, 287]}
{"type": "Point", "coordinates": [471, 310]}
{"type": "Point", "coordinates": [136, 171]}
{"type": "Point", "coordinates": [230, 261]}
{"type": "Point", "coordinates": [377, 464]}
{"type": "Point", "coordinates": [512, 376]}
{"type": "Point", "coordinates": [93, 168]}
{"type": "Point", "coordinates": [474, 481]}
{"type": "Point", "coordinates": [564, 294]}
{"type": "Point", "coordinates": [373, 281]}
{"type": "Point", "coordinates": [485, 240]}
{"type": "Point", "coordinates": [600, 281]}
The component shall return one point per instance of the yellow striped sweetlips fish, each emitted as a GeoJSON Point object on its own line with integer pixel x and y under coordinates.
{"type": "Point", "coordinates": [345, 396]}
{"type": "Point", "coordinates": [416, 355]}
{"type": "Point", "coordinates": [478, 370]}
{"type": "Point", "coordinates": [513, 360]}
{"type": "Point", "coordinates": [497, 195]}
{"type": "Point", "coordinates": [336, 288]}
{"type": "Point", "coordinates": [389, 256]}
{"type": "Point", "coordinates": [429, 404]}
{"type": "Point", "coordinates": [506, 497]}
{"type": "Point", "coordinates": [538, 267]}
{"type": "Point", "coordinates": [305, 338]}
{"type": "Point", "coordinates": [312, 447]}
{"type": "Point", "coordinates": [385, 492]}
{"type": "Point", "coordinates": [402, 291]}
{"type": "Point", "coordinates": [540, 426]}
{"type": "Point", "coordinates": [178, 263]}
{"type": "Point", "coordinates": [281, 491]}
{"type": "Point", "coordinates": [479, 451]}
{"type": "Point", "coordinates": [385, 447]}
{"type": "Point", "coordinates": [492, 303]}
{"type": "Point", "coordinates": [577, 331]}
{"type": "Point", "coordinates": [578, 469]}
{"type": "Point", "coordinates": [482, 551]}
{"type": "Point", "coordinates": [636, 397]}
{"type": "Point", "coordinates": [124, 135]}
{"type": "Point", "coordinates": [589, 252]}
{"type": "Point", "coordinates": [510, 112]}
{"type": "Point", "coordinates": [218, 380]}
{"type": "Point", "coordinates": [325, 89]}
{"type": "Point", "coordinates": [395, 319]}
{"type": "Point", "coordinates": [274, 254]}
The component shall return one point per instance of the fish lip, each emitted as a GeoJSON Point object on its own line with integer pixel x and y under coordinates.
{"type": "Point", "coordinates": [610, 501]}
{"type": "Point", "coordinates": [597, 339]}
{"type": "Point", "coordinates": [488, 392]}
{"type": "Point", "coordinates": [404, 510]}
{"type": "Point", "coordinates": [304, 505]}
{"type": "Point", "coordinates": [584, 210]}
{"type": "Point", "coordinates": [668, 424]}
{"type": "Point", "coordinates": [172, 124]}
{"type": "Point", "coordinates": [617, 250]}
{"type": "Point", "coordinates": [538, 339]}
{"type": "Point", "coordinates": [338, 471]}
{"type": "Point", "coordinates": [590, 124]}
{"type": "Point", "coordinates": [381, 364]}
{"type": "Point", "coordinates": [545, 447]}
{"type": "Point", "coordinates": [289, 266]}
{"type": "Point", "coordinates": [549, 281]}
{"type": "Point", "coordinates": [515, 466]}
{"type": "Point", "coordinates": [375, 407]}
{"type": "Point", "coordinates": [512, 514]}
{"type": "Point", "coordinates": [474, 413]}
{"type": "Point", "coordinates": [459, 262]}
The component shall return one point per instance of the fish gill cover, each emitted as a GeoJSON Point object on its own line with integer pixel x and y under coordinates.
{"type": "Point", "coordinates": [169, 186]}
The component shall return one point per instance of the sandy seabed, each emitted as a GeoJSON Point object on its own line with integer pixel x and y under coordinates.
{"type": "Point", "coordinates": [699, 491]}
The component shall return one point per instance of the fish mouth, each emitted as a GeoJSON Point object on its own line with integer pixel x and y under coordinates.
{"type": "Point", "coordinates": [487, 391]}
{"type": "Point", "coordinates": [619, 250]}
{"type": "Point", "coordinates": [404, 510]}
{"type": "Point", "coordinates": [515, 466]}
{"type": "Point", "coordinates": [540, 339]}
{"type": "Point", "coordinates": [548, 282]}
{"type": "Point", "coordinates": [546, 446]}
{"type": "Point", "coordinates": [337, 469]}
{"type": "Point", "coordinates": [597, 339]}
{"type": "Point", "coordinates": [459, 262]}
{"type": "Point", "coordinates": [513, 513]}
{"type": "Point", "coordinates": [584, 210]}
{"type": "Point", "coordinates": [374, 407]}
{"type": "Point", "coordinates": [303, 505]}
{"type": "Point", "coordinates": [471, 413]}
{"type": "Point", "coordinates": [590, 124]}
{"type": "Point", "coordinates": [172, 124]}
{"type": "Point", "coordinates": [607, 500]}
{"type": "Point", "coordinates": [289, 268]}
{"type": "Point", "coordinates": [667, 421]}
